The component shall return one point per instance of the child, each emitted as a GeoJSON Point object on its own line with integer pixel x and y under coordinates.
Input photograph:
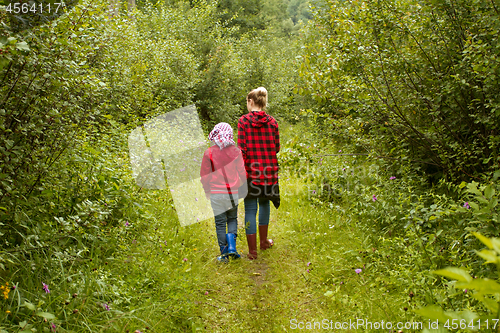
{"type": "Point", "coordinates": [222, 172]}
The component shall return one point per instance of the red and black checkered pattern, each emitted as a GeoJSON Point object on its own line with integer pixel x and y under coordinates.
{"type": "Point", "coordinates": [259, 141]}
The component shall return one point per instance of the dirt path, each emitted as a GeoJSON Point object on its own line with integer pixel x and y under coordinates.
{"type": "Point", "coordinates": [267, 294]}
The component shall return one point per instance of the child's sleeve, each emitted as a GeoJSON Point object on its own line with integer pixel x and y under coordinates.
{"type": "Point", "coordinates": [240, 167]}
{"type": "Point", "coordinates": [206, 172]}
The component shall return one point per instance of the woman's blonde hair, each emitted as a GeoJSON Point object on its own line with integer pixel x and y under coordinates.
{"type": "Point", "coordinates": [259, 97]}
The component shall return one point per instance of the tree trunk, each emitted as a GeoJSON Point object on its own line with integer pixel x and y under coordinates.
{"type": "Point", "coordinates": [131, 5]}
{"type": "Point", "coordinates": [114, 6]}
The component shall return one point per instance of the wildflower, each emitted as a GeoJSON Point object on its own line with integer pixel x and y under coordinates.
{"type": "Point", "coordinates": [340, 151]}
{"type": "Point", "coordinates": [46, 288]}
{"type": "Point", "coordinates": [5, 289]}
{"type": "Point", "coordinates": [7, 312]}
{"type": "Point", "coordinates": [392, 178]}
{"type": "Point", "coordinates": [196, 199]}
{"type": "Point", "coordinates": [309, 264]}
{"type": "Point", "coordinates": [185, 259]}
{"type": "Point", "coordinates": [466, 205]}
{"type": "Point", "coordinates": [206, 292]}
{"type": "Point", "coordinates": [53, 327]}
{"type": "Point", "coordinates": [127, 224]}
{"type": "Point", "coordinates": [314, 191]}
{"type": "Point", "coordinates": [465, 291]}
{"type": "Point", "coordinates": [106, 306]}
{"type": "Point", "coordinates": [308, 271]}
{"type": "Point", "coordinates": [357, 270]}
{"type": "Point", "coordinates": [343, 169]}
{"type": "Point", "coordinates": [374, 198]}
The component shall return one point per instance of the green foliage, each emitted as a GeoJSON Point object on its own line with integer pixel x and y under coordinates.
{"type": "Point", "coordinates": [485, 290]}
{"type": "Point", "coordinates": [71, 216]}
{"type": "Point", "coordinates": [422, 76]}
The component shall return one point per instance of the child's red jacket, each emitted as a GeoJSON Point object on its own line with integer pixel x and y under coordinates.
{"type": "Point", "coordinates": [231, 160]}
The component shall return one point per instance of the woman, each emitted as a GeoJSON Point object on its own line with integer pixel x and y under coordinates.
{"type": "Point", "coordinates": [259, 141]}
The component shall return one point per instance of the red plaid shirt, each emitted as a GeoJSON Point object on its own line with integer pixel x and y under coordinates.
{"type": "Point", "coordinates": [259, 141]}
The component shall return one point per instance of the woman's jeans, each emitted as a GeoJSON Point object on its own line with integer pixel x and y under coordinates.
{"type": "Point", "coordinates": [225, 214]}
{"type": "Point", "coordinates": [251, 214]}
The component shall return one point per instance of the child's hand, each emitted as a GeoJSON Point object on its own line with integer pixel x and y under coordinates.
{"type": "Point", "coordinates": [207, 195]}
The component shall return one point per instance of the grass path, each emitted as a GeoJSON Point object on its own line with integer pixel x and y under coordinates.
{"type": "Point", "coordinates": [308, 276]}
{"type": "Point", "coordinates": [267, 294]}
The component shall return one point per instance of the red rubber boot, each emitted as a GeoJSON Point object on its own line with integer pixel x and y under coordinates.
{"type": "Point", "coordinates": [252, 246]}
{"type": "Point", "coordinates": [264, 242]}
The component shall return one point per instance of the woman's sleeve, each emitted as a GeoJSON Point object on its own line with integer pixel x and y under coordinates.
{"type": "Point", "coordinates": [277, 139]}
{"type": "Point", "coordinates": [240, 166]}
{"type": "Point", "coordinates": [242, 144]}
{"type": "Point", "coordinates": [206, 172]}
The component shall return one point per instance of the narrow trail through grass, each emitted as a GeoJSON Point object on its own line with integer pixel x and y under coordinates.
{"type": "Point", "coordinates": [308, 276]}
{"type": "Point", "coordinates": [287, 282]}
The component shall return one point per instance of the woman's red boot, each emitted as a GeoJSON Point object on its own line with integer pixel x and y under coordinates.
{"type": "Point", "coordinates": [252, 246]}
{"type": "Point", "coordinates": [264, 242]}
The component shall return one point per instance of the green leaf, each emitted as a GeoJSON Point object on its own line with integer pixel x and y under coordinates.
{"type": "Point", "coordinates": [490, 304]}
{"type": "Point", "coordinates": [454, 273]}
{"type": "Point", "coordinates": [474, 205]}
{"type": "Point", "coordinates": [23, 46]}
{"type": "Point", "coordinates": [488, 255]}
{"type": "Point", "coordinates": [329, 293]}
{"type": "Point", "coordinates": [46, 315]}
{"type": "Point", "coordinates": [484, 286]}
{"type": "Point", "coordinates": [433, 312]}
{"type": "Point", "coordinates": [489, 191]}
{"type": "Point", "coordinates": [486, 241]}
{"type": "Point", "coordinates": [29, 306]}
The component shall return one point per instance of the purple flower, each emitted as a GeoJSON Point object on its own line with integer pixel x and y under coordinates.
{"type": "Point", "coordinates": [183, 169]}
{"type": "Point", "coordinates": [392, 178]}
{"type": "Point", "coordinates": [309, 264]}
{"type": "Point", "coordinates": [46, 288]}
{"type": "Point", "coordinates": [127, 224]}
{"type": "Point", "coordinates": [466, 205]}
{"type": "Point", "coordinates": [314, 191]}
{"type": "Point", "coordinates": [340, 151]}
{"type": "Point", "coordinates": [341, 282]}
{"type": "Point", "coordinates": [185, 259]}
{"type": "Point", "coordinates": [106, 306]}
{"type": "Point", "coordinates": [465, 291]}
{"type": "Point", "coordinates": [206, 292]}
{"type": "Point", "coordinates": [374, 198]}
{"type": "Point", "coordinates": [343, 169]}
{"type": "Point", "coordinates": [53, 327]}
{"type": "Point", "coordinates": [357, 270]}
{"type": "Point", "coordinates": [196, 199]}
{"type": "Point", "coordinates": [308, 271]}
{"type": "Point", "coordinates": [134, 241]}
